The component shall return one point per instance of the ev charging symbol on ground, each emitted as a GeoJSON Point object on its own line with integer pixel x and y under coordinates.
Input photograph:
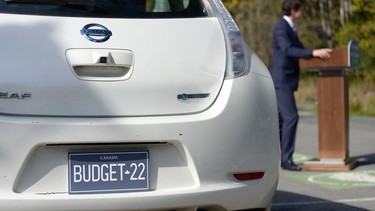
{"type": "Point", "coordinates": [343, 180]}
{"type": "Point", "coordinates": [336, 180]}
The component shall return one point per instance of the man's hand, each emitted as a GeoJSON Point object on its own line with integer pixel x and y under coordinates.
{"type": "Point", "coordinates": [323, 53]}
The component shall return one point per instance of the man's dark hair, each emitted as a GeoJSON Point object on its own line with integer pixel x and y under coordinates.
{"type": "Point", "coordinates": [289, 5]}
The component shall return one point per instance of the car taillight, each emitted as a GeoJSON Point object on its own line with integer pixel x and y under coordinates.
{"type": "Point", "coordinates": [238, 62]}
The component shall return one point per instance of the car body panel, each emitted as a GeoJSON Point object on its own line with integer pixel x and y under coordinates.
{"type": "Point", "coordinates": [253, 135]}
{"type": "Point", "coordinates": [167, 89]}
{"type": "Point", "coordinates": [172, 57]}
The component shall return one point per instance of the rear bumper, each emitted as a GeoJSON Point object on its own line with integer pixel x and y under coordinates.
{"type": "Point", "coordinates": [192, 157]}
{"type": "Point", "coordinates": [219, 198]}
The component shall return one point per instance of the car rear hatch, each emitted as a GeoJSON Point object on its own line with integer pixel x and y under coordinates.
{"type": "Point", "coordinates": [157, 62]}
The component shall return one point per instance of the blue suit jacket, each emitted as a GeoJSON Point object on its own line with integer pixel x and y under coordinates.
{"type": "Point", "coordinates": [286, 51]}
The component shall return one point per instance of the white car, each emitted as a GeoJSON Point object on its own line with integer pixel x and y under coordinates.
{"type": "Point", "coordinates": [133, 105]}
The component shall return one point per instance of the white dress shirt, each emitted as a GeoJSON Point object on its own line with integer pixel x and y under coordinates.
{"type": "Point", "coordinates": [290, 22]}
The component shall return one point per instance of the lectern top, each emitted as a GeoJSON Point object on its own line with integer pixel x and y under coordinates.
{"type": "Point", "coordinates": [342, 58]}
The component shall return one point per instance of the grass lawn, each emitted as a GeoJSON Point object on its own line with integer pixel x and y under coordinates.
{"type": "Point", "coordinates": [361, 97]}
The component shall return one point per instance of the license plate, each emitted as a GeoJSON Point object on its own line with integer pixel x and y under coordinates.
{"type": "Point", "coordinates": [108, 172]}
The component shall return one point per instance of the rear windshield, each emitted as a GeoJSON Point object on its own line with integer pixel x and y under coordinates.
{"type": "Point", "coordinates": [106, 8]}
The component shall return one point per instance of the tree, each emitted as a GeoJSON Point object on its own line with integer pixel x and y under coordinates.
{"type": "Point", "coordinates": [327, 23]}
{"type": "Point", "coordinates": [361, 27]}
{"type": "Point", "coordinates": [256, 19]}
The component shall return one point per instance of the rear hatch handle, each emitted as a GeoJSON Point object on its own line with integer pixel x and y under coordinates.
{"type": "Point", "coordinates": [101, 64]}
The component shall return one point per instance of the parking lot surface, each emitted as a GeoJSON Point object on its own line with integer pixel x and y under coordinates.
{"type": "Point", "coordinates": [312, 190]}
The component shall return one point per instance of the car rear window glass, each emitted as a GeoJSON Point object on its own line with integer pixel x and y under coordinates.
{"type": "Point", "coordinates": [106, 8]}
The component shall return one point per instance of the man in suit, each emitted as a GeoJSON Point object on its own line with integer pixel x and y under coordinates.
{"type": "Point", "coordinates": [286, 51]}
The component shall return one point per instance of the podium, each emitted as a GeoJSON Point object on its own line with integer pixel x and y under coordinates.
{"type": "Point", "coordinates": [333, 108]}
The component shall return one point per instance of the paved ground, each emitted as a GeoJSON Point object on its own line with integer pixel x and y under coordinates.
{"type": "Point", "coordinates": [330, 191]}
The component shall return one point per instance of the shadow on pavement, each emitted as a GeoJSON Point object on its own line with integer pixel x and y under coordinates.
{"type": "Point", "coordinates": [364, 160]}
{"type": "Point", "coordinates": [287, 201]}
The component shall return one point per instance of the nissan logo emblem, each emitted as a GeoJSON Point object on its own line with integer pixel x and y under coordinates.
{"type": "Point", "coordinates": [96, 32]}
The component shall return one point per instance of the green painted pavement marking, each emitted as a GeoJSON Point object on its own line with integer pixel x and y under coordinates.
{"type": "Point", "coordinates": [299, 158]}
{"type": "Point", "coordinates": [343, 180]}
{"type": "Point", "coordinates": [335, 180]}
{"type": "Point", "coordinates": [340, 180]}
